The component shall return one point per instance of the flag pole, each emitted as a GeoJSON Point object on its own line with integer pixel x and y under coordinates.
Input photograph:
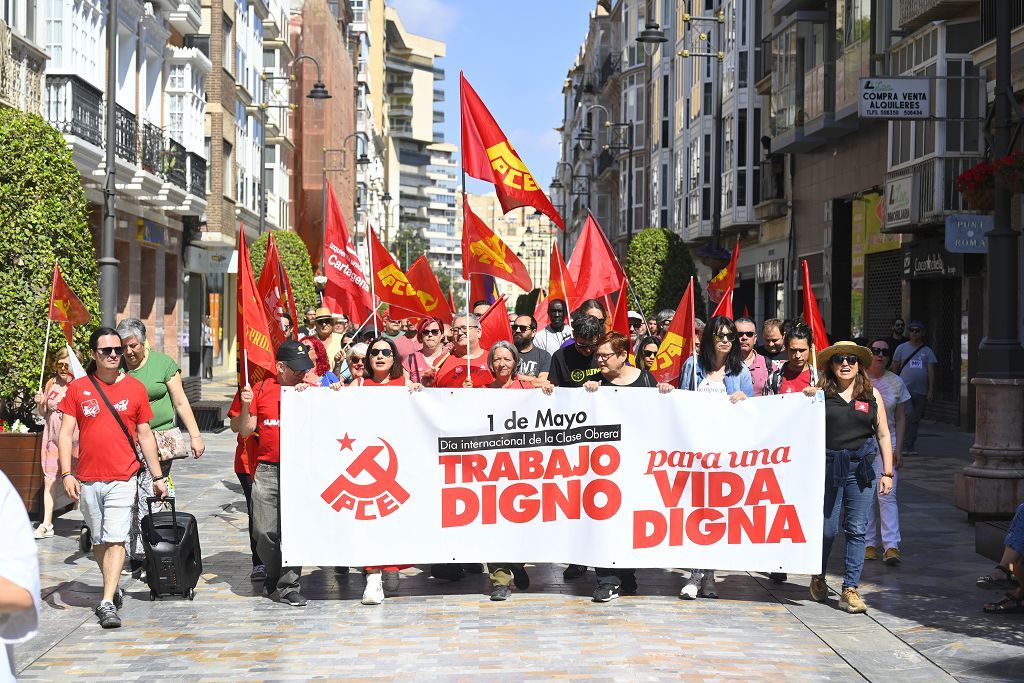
{"type": "Point", "coordinates": [373, 279]}
{"type": "Point", "coordinates": [245, 367]}
{"type": "Point", "coordinates": [694, 344]}
{"type": "Point", "coordinates": [46, 349]}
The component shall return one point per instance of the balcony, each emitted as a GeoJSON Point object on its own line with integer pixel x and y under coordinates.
{"type": "Point", "coordinates": [402, 111]}
{"type": "Point", "coordinates": [152, 159]}
{"type": "Point", "coordinates": [988, 17]}
{"type": "Point", "coordinates": [196, 175]}
{"type": "Point", "coordinates": [175, 163]}
{"type": "Point", "coordinates": [763, 67]}
{"type": "Point", "coordinates": [937, 194]}
{"type": "Point", "coordinates": [438, 116]}
{"type": "Point", "coordinates": [403, 88]}
{"type": "Point", "coordinates": [126, 135]}
{"type": "Point", "coordinates": [21, 72]}
{"type": "Point", "coordinates": [610, 68]}
{"type": "Point", "coordinates": [773, 188]}
{"type": "Point", "coordinates": [438, 95]}
{"type": "Point", "coordinates": [916, 13]}
{"type": "Point", "coordinates": [606, 161]}
{"type": "Point", "coordinates": [185, 16]}
{"type": "Point", "coordinates": [74, 108]}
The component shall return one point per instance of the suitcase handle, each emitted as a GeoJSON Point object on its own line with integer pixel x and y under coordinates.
{"type": "Point", "coordinates": [154, 499]}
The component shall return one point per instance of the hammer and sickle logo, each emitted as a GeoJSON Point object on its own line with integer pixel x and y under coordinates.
{"type": "Point", "coordinates": [383, 478]}
{"type": "Point", "coordinates": [513, 171]}
{"type": "Point", "coordinates": [670, 349]}
{"type": "Point", "coordinates": [491, 251]}
{"type": "Point", "coordinates": [395, 280]}
{"type": "Point", "coordinates": [429, 302]}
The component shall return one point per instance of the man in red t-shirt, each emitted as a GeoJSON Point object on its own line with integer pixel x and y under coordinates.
{"type": "Point", "coordinates": [260, 410]}
{"type": "Point", "coordinates": [450, 371]}
{"type": "Point", "coordinates": [793, 376]}
{"type": "Point", "coordinates": [105, 481]}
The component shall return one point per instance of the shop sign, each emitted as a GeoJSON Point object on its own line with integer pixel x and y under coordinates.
{"type": "Point", "coordinates": [967, 233]}
{"type": "Point", "coordinates": [895, 98]}
{"type": "Point", "coordinates": [209, 261]}
{"type": "Point", "coordinates": [930, 260]}
{"type": "Point", "coordinates": [901, 202]}
{"type": "Point", "coordinates": [770, 271]}
{"type": "Point", "coordinates": [150, 233]}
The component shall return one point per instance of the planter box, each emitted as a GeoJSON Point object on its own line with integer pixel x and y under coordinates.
{"type": "Point", "coordinates": [19, 460]}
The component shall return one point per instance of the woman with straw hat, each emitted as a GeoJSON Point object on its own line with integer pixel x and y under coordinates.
{"type": "Point", "coordinates": [856, 428]}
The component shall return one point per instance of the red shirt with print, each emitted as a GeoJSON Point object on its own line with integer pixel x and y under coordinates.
{"type": "Point", "coordinates": [104, 453]}
{"type": "Point", "coordinates": [793, 383]}
{"type": "Point", "coordinates": [266, 406]}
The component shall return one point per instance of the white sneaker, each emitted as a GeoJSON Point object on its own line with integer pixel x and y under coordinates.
{"type": "Point", "coordinates": [707, 585]}
{"type": "Point", "coordinates": [689, 592]}
{"type": "Point", "coordinates": [391, 579]}
{"type": "Point", "coordinates": [373, 594]}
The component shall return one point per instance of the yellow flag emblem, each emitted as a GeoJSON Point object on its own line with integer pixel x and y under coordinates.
{"type": "Point", "coordinates": [394, 279]}
{"type": "Point", "coordinates": [670, 349]}
{"type": "Point", "coordinates": [491, 251]}
{"type": "Point", "coordinates": [429, 302]}
{"type": "Point", "coordinates": [513, 171]}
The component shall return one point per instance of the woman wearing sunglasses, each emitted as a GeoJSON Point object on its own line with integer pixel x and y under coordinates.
{"type": "Point", "coordinates": [896, 399]}
{"type": "Point", "coordinates": [719, 370]}
{"type": "Point", "coordinates": [46, 406]}
{"type": "Point", "coordinates": [420, 364]}
{"type": "Point", "coordinates": [646, 352]}
{"type": "Point", "coordinates": [384, 370]}
{"type": "Point", "coordinates": [856, 428]}
{"type": "Point", "coordinates": [356, 362]}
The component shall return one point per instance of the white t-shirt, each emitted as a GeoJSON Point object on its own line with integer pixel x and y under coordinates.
{"type": "Point", "coordinates": [710, 386]}
{"type": "Point", "coordinates": [19, 564]}
{"type": "Point", "coordinates": [549, 340]}
{"type": "Point", "coordinates": [893, 391]}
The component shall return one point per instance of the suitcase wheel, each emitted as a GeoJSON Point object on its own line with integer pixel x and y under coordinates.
{"type": "Point", "coordinates": [84, 540]}
{"type": "Point", "coordinates": [191, 595]}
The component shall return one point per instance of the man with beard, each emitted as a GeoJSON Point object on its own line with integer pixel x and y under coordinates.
{"type": "Point", "coordinates": [533, 362]}
{"type": "Point", "coordinates": [554, 335]}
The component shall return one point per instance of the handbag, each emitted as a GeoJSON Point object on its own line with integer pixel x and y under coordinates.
{"type": "Point", "coordinates": [171, 444]}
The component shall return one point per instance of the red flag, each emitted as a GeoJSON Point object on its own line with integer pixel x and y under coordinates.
{"type": "Point", "coordinates": [451, 300]}
{"type": "Point", "coordinates": [724, 306]}
{"type": "Point", "coordinates": [488, 155]}
{"type": "Point", "coordinates": [678, 342]}
{"type": "Point", "coordinates": [725, 281]}
{"type": "Point", "coordinates": [253, 333]}
{"type": "Point", "coordinates": [347, 289]}
{"type": "Point", "coordinates": [484, 253]}
{"type": "Point", "coordinates": [290, 296]}
{"type": "Point", "coordinates": [620, 320]}
{"type": "Point", "coordinates": [494, 325]}
{"type": "Point", "coordinates": [482, 288]}
{"type": "Point", "coordinates": [593, 266]}
{"type": "Point", "coordinates": [560, 283]}
{"type": "Point", "coordinates": [429, 290]}
{"type": "Point", "coordinates": [540, 311]}
{"type": "Point", "coordinates": [812, 315]}
{"type": "Point", "coordinates": [270, 290]}
{"type": "Point", "coordinates": [65, 307]}
{"type": "Point", "coordinates": [390, 283]}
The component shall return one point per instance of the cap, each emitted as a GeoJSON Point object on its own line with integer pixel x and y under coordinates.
{"type": "Point", "coordinates": [324, 313]}
{"type": "Point", "coordinates": [295, 355]}
{"type": "Point", "coordinates": [917, 323]}
{"type": "Point", "coordinates": [339, 317]}
{"type": "Point", "coordinates": [633, 315]}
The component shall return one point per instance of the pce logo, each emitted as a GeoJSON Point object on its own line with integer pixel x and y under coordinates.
{"type": "Point", "coordinates": [367, 487]}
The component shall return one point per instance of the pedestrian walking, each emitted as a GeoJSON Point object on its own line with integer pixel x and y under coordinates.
{"type": "Point", "coordinates": [207, 335]}
{"type": "Point", "coordinates": [856, 428]}
{"type": "Point", "coordinates": [716, 369]}
{"type": "Point", "coordinates": [1009, 573]}
{"type": "Point", "coordinates": [897, 335]}
{"type": "Point", "coordinates": [895, 398]}
{"type": "Point", "coordinates": [112, 412]}
{"type": "Point", "coordinates": [612, 356]}
{"type": "Point", "coordinates": [914, 361]}
{"type": "Point", "coordinates": [47, 402]}
{"type": "Point", "coordinates": [260, 409]}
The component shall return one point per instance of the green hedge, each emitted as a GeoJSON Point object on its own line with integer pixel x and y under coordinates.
{"type": "Point", "coordinates": [43, 218]}
{"type": "Point", "coordinates": [295, 258]}
{"type": "Point", "coordinates": [659, 267]}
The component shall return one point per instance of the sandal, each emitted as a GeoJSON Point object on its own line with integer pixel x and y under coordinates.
{"type": "Point", "coordinates": [1011, 604]}
{"type": "Point", "coordinates": [44, 531]}
{"type": "Point", "coordinates": [991, 583]}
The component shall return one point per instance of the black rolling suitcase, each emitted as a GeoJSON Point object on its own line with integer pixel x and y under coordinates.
{"type": "Point", "coordinates": [174, 560]}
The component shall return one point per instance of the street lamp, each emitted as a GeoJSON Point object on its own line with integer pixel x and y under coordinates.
{"type": "Point", "coordinates": [361, 160]}
{"type": "Point", "coordinates": [317, 93]}
{"type": "Point", "coordinates": [557, 186]}
{"type": "Point", "coordinates": [586, 138]}
{"type": "Point", "coordinates": [651, 38]}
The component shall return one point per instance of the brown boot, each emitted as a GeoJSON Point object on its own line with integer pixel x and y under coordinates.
{"type": "Point", "coordinates": [819, 589]}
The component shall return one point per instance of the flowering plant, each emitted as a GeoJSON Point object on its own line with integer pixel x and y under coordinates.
{"type": "Point", "coordinates": [713, 256]}
{"type": "Point", "coordinates": [1009, 171]}
{"type": "Point", "coordinates": [977, 185]}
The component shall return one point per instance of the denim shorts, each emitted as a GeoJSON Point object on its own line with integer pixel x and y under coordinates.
{"type": "Point", "coordinates": [107, 509]}
{"type": "Point", "coordinates": [1015, 539]}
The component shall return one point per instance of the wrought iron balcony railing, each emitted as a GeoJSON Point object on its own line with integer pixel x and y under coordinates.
{"type": "Point", "coordinates": [126, 135]}
{"type": "Point", "coordinates": [196, 175]}
{"type": "Point", "coordinates": [175, 162]}
{"type": "Point", "coordinates": [75, 108]}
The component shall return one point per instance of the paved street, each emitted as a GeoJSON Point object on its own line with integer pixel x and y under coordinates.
{"type": "Point", "coordinates": [924, 622]}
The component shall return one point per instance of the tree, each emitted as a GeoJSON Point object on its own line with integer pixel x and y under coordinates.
{"type": "Point", "coordinates": [43, 218]}
{"type": "Point", "coordinates": [408, 245]}
{"type": "Point", "coordinates": [659, 267]}
{"type": "Point", "coordinates": [458, 288]}
{"type": "Point", "coordinates": [295, 259]}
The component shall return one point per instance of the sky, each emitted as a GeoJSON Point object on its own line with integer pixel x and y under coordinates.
{"type": "Point", "coordinates": [516, 56]}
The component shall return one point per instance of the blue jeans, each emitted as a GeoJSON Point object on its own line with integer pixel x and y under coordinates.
{"type": "Point", "coordinates": [852, 499]}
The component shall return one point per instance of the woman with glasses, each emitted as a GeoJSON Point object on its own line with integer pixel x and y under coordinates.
{"type": "Point", "coordinates": [384, 370]}
{"type": "Point", "coordinates": [856, 428]}
{"type": "Point", "coordinates": [646, 352]}
{"type": "Point", "coordinates": [612, 357]}
{"type": "Point", "coordinates": [896, 399]}
{"type": "Point", "coordinates": [795, 374]}
{"type": "Point", "coordinates": [719, 370]}
{"type": "Point", "coordinates": [46, 406]}
{"type": "Point", "coordinates": [320, 374]}
{"type": "Point", "coordinates": [356, 362]}
{"type": "Point", "coordinates": [419, 363]}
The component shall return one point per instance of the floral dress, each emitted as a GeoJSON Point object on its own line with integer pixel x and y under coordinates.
{"type": "Point", "coordinates": [51, 429]}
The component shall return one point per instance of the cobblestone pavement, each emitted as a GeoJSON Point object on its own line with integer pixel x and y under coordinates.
{"type": "Point", "coordinates": [924, 622]}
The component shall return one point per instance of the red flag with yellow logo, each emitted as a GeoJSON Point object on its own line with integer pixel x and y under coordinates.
{"type": "Point", "coordinates": [721, 286]}
{"type": "Point", "coordinates": [391, 285]}
{"type": "Point", "coordinates": [253, 333]}
{"type": "Point", "coordinates": [488, 155]}
{"type": "Point", "coordinates": [678, 342]}
{"type": "Point", "coordinates": [594, 268]}
{"type": "Point", "coordinates": [483, 253]}
{"type": "Point", "coordinates": [65, 306]}
{"type": "Point", "coordinates": [429, 290]}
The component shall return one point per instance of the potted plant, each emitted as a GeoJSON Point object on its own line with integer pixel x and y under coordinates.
{"type": "Point", "coordinates": [977, 185]}
{"type": "Point", "coordinates": [1009, 172]}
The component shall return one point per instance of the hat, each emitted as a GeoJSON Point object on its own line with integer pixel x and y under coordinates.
{"type": "Point", "coordinates": [323, 313]}
{"type": "Point", "coordinates": [339, 317]}
{"type": "Point", "coordinates": [844, 347]}
{"type": "Point", "coordinates": [917, 323]}
{"type": "Point", "coordinates": [295, 355]}
{"type": "Point", "coordinates": [633, 315]}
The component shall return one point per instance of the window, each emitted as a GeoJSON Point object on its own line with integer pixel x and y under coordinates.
{"type": "Point", "coordinates": [228, 168]}
{"type": "Point", "coordinates": [176, 77]}
{"type": "Point", "coordinates": [176, 117]}
{"type": "Point", "coordinates": [228, 53]}
{"type": "Point", "coordinates": [206, 155]}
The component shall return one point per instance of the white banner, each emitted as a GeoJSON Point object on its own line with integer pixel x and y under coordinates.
{"type": "Point", "coordinates": [620, 477]}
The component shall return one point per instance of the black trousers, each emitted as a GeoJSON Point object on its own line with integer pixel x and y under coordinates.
{"type": "Point", "coordinates": [246, 481]}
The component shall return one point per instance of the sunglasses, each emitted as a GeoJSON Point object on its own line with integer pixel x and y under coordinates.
{"type": "Point", "coordinates": [879, 352]}
{"type": "Point", "coordinates": [634, 326]}
{"type": "Point", "coordinates": [748, 334]}
{"type": "Point", "coordinates": [650, 354]}
{"type": "Point", "coordinates": [324, 322]}
{"type": "Point", "coordinates": [63, 366]}
{"type": "Point", "coordinates": [521, 328]}
{"type": "Point", "coordinates": [915, 329]}
{"type": "Point", "coordinates": [431, 333]}
{"type": "Point", "coordinates": [380, 352]}
{"type": "Point", "coordinates": [585, 347]}
{"type": "Point", "coordinates": [725, 336]}
{"type": "Point", "coordinates": [849, 360]}
{"type": "Point", "coordinates": [110, 350]}
{"type": "Point", "coordinates": [357, 360]}
{"type": "Point", "coordinates": [462, 329]}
